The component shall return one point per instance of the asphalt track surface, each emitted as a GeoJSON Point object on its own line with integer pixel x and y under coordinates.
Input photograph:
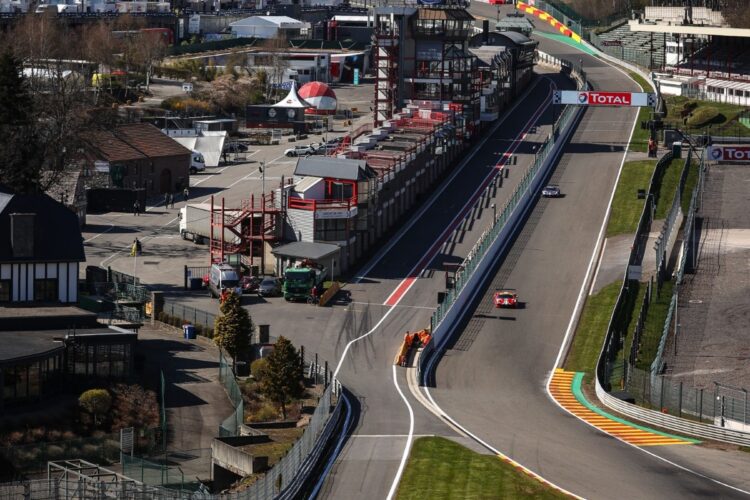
{"type": "Point", "coordinates": [397, 293]}
{"type": "Point", "coordinates": [494, 385]}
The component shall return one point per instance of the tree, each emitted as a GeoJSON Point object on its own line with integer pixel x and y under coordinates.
{"type": "Point", "coordinates": [283, 380]}
{"type": "Point", "coordinates": [22, 163]}
{"type": "Point", "coordinates": [95, 401]}
{"type": "Point", "coordinates": [233, 328]}
{"type": "Point", "coordinates": [134, 406]}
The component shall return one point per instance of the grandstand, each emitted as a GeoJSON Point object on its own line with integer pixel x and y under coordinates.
{"type": "Point", "coordinates": [691, 46]}
{"type": "Point", "coordinates": [644, 49]}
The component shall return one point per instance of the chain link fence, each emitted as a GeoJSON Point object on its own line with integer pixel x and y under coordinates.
{"type": "Point", "coordinates": [177, 314]}
{"type": "Point", "coordinates": [231, 425]}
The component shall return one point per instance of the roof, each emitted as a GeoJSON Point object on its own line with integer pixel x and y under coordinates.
{"type": "Point", "coordinates": [689, 30]}
{"type": "Point", "coordinates": [57, 235]}
{"type": "Point", "coordinates": [444, 14]}
{"type": "Point", "coordinates": [278, 21]}
{"type": "Point", "coordinates": [37, 343]}
{"type": "Point", "coordinates": [306, 250]}
{"type": "Point", "coordinates": [136, 141]}
{"type": "Point", "coordinates": [292, 99]}
{"type": "Point", "coordinates": [333, 168]}
{"type": "Point", "coordinates": [210, 143]}
{"type": "Point", "coordinates": [512, 22]}
{"type": "Point", "coordinates": [343, 18]}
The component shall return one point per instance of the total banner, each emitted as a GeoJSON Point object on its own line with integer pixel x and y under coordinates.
{"type": "Point", "coordinates": [594, 98]}
{"type": "Point", "coordinates": [736, 154]}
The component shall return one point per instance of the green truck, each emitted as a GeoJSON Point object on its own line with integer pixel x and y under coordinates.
{"type": "Point", "coordinates": [299, 282]}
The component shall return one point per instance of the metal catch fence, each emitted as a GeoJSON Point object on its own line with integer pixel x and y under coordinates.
{"type": "Point", "coordinates": [197, 317]}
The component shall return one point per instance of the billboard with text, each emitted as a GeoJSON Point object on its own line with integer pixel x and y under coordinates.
{"type": "Point", "coordinates": [736, 154]}
{"type": "Point", "coordinates": [594, 98]}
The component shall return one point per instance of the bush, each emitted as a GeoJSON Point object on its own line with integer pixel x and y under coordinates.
{"type": "Point", "coordinates": [704, 116]}
{"type": "Point", "coordinates": [134, 406]}
{"type": "Point", "coordinates": [259, 369]}
{"type": "Point", "coordinates": [266, 413]}
{"type": "Point", "coordinates": [97, 402]}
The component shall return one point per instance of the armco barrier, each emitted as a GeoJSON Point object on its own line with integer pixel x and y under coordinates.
{"type": "Point", "coordinates": [494, 243]}
{"type": "Point", "coordinates": [671, 422]}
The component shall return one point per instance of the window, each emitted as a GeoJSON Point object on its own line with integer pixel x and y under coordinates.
{"type": "Point", "coordinates": [5, 290]}
{"type": "Point", "coordinates": [45, 290]}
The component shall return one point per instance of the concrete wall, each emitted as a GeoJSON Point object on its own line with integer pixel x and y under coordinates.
{"type": "Point", "coordinates": [228, 462]}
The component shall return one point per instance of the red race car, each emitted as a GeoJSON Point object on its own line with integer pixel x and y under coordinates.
{"type": "Point", "coordinates": [505, 298]}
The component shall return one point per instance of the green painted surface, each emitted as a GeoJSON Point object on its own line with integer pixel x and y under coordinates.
{"type": "Point", "coordinates": [566, 40]}
{"type": "Point", "coordinates": [578, 378]}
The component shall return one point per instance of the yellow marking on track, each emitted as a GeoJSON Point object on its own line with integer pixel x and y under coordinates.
{"type": "Point", "coordinates": [561, 388]}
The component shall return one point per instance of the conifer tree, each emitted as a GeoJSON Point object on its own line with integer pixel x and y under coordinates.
{"type": "Point", "coordinates": [283, 380]}
{"type": "Point", "coordinates": [233, 328]}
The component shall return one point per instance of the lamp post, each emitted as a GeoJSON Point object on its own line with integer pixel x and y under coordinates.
{"type": "Point", "coordinates": [262, 170]}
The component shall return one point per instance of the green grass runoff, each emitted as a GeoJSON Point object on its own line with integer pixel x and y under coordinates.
{"type": "Point", "coordinates": [440, 469]}
{"type": "Point", "coordinates": [654, 326]}
{"type": "Point", "coordinates": [626, 207]}
{"type": "Point", "coordinates": [592, 327]}
{"type": "Point", "coordinates": [639, 142]}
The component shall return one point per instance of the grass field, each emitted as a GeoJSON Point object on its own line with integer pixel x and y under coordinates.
{"type": "Point", "coordinates": [657, 315]}
{"type": "Point", "coordinates": [440, 469]}
{"type": "Point", "coordinates": [670, 179]}
{"type": "Point", "coordinates": [726, 123]}
{"type": "Point", "coordinates": [592, 327]}
{"type": "Point", "coordinates": [640, 135]}
{"type": "Point", "coordinates": [626, 207]}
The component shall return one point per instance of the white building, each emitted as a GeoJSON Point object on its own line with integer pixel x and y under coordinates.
{"type": "Point", "coordinates": [268, 27]}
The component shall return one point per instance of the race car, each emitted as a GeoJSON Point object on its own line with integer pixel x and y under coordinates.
{"type": "Point", "coordinates": [551, 191]}
{"type": "Point", "coordinates": [505, 298]}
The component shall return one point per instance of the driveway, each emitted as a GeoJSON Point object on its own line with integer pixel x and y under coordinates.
{"type": "Point", "coordinates": [195, 400]}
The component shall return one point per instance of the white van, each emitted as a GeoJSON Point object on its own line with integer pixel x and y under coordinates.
{"type": "Point", "coordinates": [223, 277]}
{"type": "Point", "coordinates": [197, 162]}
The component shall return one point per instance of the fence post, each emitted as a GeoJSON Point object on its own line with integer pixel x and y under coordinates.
{"type": "Point", "coordinates": [661, 395]}
{"type": "Point", "coordinates": [679, 404]}
{"type": "Point", "coordinates": [109, 274]}
{"type": "Point", "coordinates": [185, 275]}
{"type": "Point", "coordinates": [325, 375]}
{"type": "Point", "coordinates": [700, 405]}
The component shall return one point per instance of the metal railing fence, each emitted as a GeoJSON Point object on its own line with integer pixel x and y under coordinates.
{"type": "Point", "coordinates": [206, 320]}
{"type": "Point", "coordinates": [231, 425]}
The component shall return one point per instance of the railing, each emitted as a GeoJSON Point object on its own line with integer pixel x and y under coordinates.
{"type": "Point", "coordinates": [503, 223]}
{"type": "Point", "coordinates": [312, 205]}
{"type": "Point", "coordinates": [203, 319]}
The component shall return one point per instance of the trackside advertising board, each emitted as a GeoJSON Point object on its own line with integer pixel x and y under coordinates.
{"type": "Point", "coordinates": [593, 98]}
{"type": "Point", "coordinates": [735, 154]}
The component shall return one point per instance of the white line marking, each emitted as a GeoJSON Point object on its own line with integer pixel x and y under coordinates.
{"type": "Point", "coordinates": [397, 305]}
{"type": "Point", "coordinates": [495, 450]}
{"type": "Point", "coordinates": [110, 228]}
{"type": "Point", "coordinates": [431, 201]}
{"type": "Point", "coordinates": [407, 448]}
{"type": "Point", "coordinates": [598, 266]}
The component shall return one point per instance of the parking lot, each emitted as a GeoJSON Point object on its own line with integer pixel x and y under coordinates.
{"type": "Point", "coordinates": [108, 236]}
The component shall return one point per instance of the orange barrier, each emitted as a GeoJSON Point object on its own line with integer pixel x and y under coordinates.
{"type": "Point", "coordinates": [330, 293]}
{"type": "Point", "coordinates": [416, 339]}
{"type": "Point", "coordinates": [544, 16]}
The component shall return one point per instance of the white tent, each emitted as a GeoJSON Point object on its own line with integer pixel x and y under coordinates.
{"type": "Point", "coordinates": [268, 27]}
{"type": "Point", "coordinates": [293, 100]}
{"type": "Point", "coordinates": [210, 143]}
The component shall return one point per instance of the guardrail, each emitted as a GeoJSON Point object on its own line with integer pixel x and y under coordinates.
{"type": "Point", "coordinates": [659, 392]}
{"type": "Point", "coordinates": [493, 241]}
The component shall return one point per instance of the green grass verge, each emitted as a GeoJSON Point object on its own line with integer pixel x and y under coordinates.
{"type": "Point", "coordinates": [626, 207]}
{"type": "Point", "coordinates": [725, 124]}
{"type": "Point", "coordinates": [633, 309]}
{"type": "Point", "coordinates": [654, 326]}
{"type": "Point", "coordinates": [441, 469]}
{"type": "Point", "coordinates": [667, 187]}
{"type": "Point", "coordinates": [690, 182]}
{"type": "Point", "coordinates": [592, 327]}
{"type": "Point", "coordinates": [639, 142]}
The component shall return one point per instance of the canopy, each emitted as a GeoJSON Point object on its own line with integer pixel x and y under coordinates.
{"type": "Point", "coordinates": [293, 100]}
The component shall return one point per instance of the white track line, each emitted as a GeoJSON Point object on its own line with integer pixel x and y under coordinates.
{"type": "Point", "coordinates": [409, 439]}
{"type": "Point", "coordinates": [596, 254]}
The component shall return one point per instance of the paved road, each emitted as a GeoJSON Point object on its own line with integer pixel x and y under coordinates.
{"type": "Point", "coordinates": [495, 384]}
{"type": "Point", "coordinates": [413, 266]}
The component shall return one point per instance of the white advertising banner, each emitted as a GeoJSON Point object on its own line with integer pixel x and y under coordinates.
{"type": "Point", "coordinates": [594, 98]}
{"type": "Point", "coordinates": [736, 154]}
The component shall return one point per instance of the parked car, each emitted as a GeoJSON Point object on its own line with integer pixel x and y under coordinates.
{"type": "Point", "coordinates": [300, 151]}
{"type": "Point", "coordinates": [269, 287]}
{"type": "Point", "coordinates": [250, 284]}
{"type": "Point", "coordinates": [235, 147]}
{"type": "Point", "coordinates": [505, 298]}
{"type": "Point", "coordinates": [551, 191]}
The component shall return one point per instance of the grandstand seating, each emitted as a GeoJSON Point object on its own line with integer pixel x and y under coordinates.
{"type": "Point", "coordinates": [635, 45]}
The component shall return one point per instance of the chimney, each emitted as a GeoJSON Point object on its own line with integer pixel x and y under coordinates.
{"type": "Point", "coordinates": [22, 235]}
{"type": "Point", "coordinates": [485, 31]}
